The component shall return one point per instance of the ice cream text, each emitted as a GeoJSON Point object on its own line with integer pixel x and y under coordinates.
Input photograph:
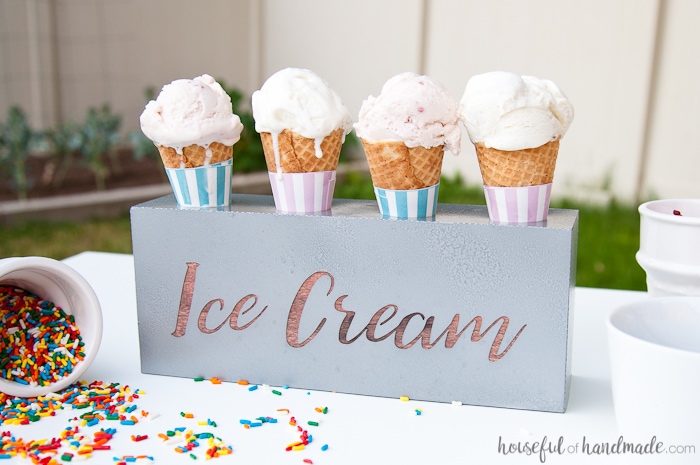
{"type": "Point", "coordinates": [322, 281]}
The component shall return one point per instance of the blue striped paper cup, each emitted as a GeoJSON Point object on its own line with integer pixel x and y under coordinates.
{"type": "Point", "coordinates": [204, 186]}
{"type": "Point", "coordinates": [518, 205]}
{"type": "Point", "coordinates": [303, 192]}
{"type": "Point", "coordinates": [407, 204]}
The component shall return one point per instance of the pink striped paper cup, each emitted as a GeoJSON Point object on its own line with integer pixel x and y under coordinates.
{"type": "Point", "coordinates": [303, 192]}
{"type": "Point", "coordinates": [518, 205]}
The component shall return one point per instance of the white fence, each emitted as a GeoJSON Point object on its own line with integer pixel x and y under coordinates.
{"type": "Point", "coordinates": [630, 67]}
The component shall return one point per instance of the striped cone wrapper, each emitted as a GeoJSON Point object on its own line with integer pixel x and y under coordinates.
{"type": "Point", "coordinates": [408, 204]}
{"type": "Point", "coordinates": [204, 186]}
{"type": "Point", "coordinates": [518, 205]}
{"type": "Point", "coordinates": [303, 192]}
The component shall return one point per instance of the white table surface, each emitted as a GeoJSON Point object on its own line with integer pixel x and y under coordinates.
{"type": "Point", "coordinates": [357, 429]}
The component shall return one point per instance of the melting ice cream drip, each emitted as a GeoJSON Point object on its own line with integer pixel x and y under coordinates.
{"type": "Point", "coordinates": [317, 146]}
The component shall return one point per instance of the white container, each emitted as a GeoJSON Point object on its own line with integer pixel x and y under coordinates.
{"type": "Point", "coordinates": [669, 246]}
{"type": "Point", "coordinates": [655, 369]}
{"type": "Point", "coordinates": [66, 288]}
{"type": "Point", "coordinates": [668, 237]}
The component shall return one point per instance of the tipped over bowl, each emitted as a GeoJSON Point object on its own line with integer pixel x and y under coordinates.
{"type": "Point", "coordinates": [56, 282]}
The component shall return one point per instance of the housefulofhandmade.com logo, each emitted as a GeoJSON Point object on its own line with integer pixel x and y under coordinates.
{"type": "Point", "coordinates": [546, 447]}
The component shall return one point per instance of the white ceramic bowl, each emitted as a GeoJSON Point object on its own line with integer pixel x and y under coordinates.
{"type": "Point", "coordinates": [57, 282]}
{"type": "Point", "coordinates": [669, 246]}
{"type": "Point", "coordinates": [671, 238]}
{"type": "Point", "coordinates": [655, 369]}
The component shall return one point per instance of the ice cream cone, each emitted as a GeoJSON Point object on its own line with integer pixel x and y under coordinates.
{"type": "Point", "coordinates": [517, 168]}
{"type": "Point", "coordinates": [518, 183]}
{"type": "Point", "coordinates": [306, 181]}
{"type": "Point", "coordinates": [297, 154]}
{"type": "Point", "coordinates": [200, 177]}
{"type": "Point", "coordinates": [194, 155]}
{"type": "Point", "coordinates": [395, 166]}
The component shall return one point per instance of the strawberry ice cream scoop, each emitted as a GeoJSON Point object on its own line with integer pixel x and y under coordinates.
{"type": "Point", "coordinates": [191, 111]}
{"type": "Point", "coordinates": [412, 109]}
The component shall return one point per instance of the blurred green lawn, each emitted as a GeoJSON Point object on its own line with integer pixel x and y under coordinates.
{"type": "Point", "coordinates": [607, 243]}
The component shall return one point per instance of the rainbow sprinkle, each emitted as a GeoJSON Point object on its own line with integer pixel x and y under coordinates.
{"type": "Point", "coordinates": [99, 401]}
{"type": "Point", "coordinates": [39, 343]}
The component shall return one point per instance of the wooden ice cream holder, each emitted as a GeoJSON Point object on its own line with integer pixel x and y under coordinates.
{"type": "Point", "coordinates": [453, 309]}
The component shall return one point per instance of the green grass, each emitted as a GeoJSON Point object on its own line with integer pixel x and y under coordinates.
{"type": "Point", "coordinates": [62, 239]}
{"type": "Point", "coordinates": [608, 236]}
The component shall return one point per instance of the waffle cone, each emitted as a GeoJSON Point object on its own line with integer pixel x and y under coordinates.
{"type": "Point", "coordinates": [195, 155]}
{"type": "Point", "coordinates": [395, 166]}
{"type": "Point", "coordinates": [517, 168]}
{"type": "Point", "coordinates": [298, 153]}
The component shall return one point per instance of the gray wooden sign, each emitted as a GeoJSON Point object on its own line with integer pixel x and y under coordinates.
{"type": "Point", "coordinates": [455, 309]}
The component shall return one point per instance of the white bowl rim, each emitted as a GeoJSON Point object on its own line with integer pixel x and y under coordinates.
{"type": "Point", "coordinates": [645, 210]}
{"type": "Point", "coordinates": [645, 302]}
{"type": "Point", "coordinates": [12, 264]}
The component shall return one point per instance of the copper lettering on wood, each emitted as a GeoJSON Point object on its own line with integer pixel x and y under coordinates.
{"type": "Point", "coordinates": [298, 307]}
{"type": "Point", "coordinates": [451, 334]}
{"type": "Point", "coordinates": [183, 313]}
{"type": "Point", "coordinates": [232, 317]}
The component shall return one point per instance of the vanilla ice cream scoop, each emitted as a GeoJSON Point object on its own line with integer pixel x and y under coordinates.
{"type": "Point", "coordinates": [412, 109]}
{"type": "Point", "coordinates": [191, 112]}
{"type": "Point", "coordinates": [505, 111]}
{"type": "Point", "coordinates": [301, 101]}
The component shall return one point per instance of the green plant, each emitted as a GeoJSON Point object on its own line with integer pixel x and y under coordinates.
{"type": "Point", "coordinates": [16, 136]}
{"type": "Point", "coordinates": [143, 147]}
{"type": "Point", "coordinates": [355, 185]}
{"type": "Point", "coordinates": [350, 148]}
{"type": "Point", "coordinates": [66, 139]}
{"type": "Point", "coordinates": [454, 190]}
{"type": "Point", "coordinates": [101, 134]}
{"type": "Point", "coordinates": [248, 155]}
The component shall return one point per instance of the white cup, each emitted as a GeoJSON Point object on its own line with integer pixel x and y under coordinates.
{"type": "Point", "coordinates": [56, 282]}
{"type": "Point", "coordinates": [669, 246]}
{"type": "Point", "coordinates": [655, 369]}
